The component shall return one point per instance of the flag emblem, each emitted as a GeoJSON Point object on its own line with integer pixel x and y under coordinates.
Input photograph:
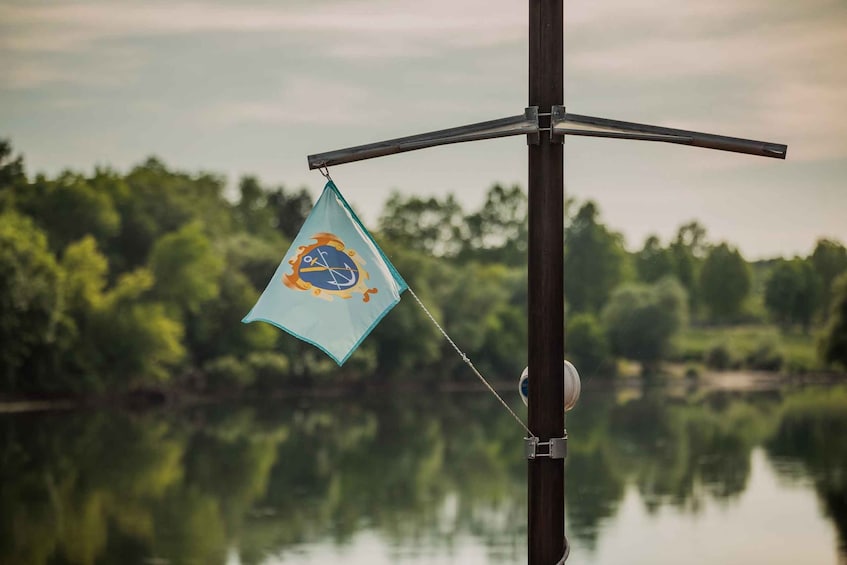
{"type": "Point", "coordinates": [334, 283]}
{"type": "Point", "coordinates": [327, 269]}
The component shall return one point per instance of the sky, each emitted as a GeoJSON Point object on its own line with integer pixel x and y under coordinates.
{"type": "Point", "coordinates": [253, 87]}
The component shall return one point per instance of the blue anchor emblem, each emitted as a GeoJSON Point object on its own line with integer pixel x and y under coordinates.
{"type": "Point", "coordinates": [329, 269]}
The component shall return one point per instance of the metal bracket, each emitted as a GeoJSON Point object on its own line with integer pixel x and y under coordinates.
{"type": "Point", "coordinates": [534, 137]}
{"type": "Point", "coordinates": [554, 448]}
{"type": "Point", "coordinates": [557, 115]}
{"type": "Point", "coordinates": [526, 123]}
{"type": "Point", "coordinates": [590, 126]}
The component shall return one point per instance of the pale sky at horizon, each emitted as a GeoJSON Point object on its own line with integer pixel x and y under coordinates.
{"type": "Point", "coordinates": [252, 87]}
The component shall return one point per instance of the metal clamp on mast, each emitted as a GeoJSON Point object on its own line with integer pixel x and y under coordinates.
{"type": "Point", "coordinates": [590, 126]}
{"type": "Point", "coordinates": [527, 123]}
{"type": "Point", "coordinates": [554, 448]}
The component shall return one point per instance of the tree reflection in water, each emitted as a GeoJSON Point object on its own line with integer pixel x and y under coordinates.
{"type": "Point", "coordinates": [813, 430]}
{"type": "Point", "coordinates": [190, 486]}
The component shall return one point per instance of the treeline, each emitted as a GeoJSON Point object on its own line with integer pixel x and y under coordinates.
{"type": "Point", "coordinates": [632, 304]}
{"type": "Point", "coordinates": [110, 282]}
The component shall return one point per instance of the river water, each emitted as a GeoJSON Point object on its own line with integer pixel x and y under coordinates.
{"type": "Point", "coordinates": [653, 476]}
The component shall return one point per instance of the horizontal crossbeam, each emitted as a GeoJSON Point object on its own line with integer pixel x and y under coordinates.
{"type": "Point", "coordinates": [563, 123]}
{"type": "Point", "coordinates": [504, 127]}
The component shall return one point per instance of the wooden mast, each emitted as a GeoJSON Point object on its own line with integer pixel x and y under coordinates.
{"type": "Point", "coordinates": [546, 521]}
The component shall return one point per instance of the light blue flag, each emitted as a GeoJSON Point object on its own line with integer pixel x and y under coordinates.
{"type": "Point", "coordinates": [334, 284]}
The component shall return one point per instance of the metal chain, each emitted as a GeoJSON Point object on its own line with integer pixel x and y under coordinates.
{"type": "Point", "coordinates": [469, 363]}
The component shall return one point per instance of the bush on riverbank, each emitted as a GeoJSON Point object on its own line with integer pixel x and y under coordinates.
{"type": "Point", "coordinates": [762, 348]}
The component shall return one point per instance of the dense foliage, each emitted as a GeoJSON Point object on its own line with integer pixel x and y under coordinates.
{"type": "Point", "coordinates": [724, 282]}
{"type": "Point", "coordinates": [110, 282]}
{"type": "Point", "coordinates": [792, 293]}
{"type": "Point", "coordinates": [641, 320]}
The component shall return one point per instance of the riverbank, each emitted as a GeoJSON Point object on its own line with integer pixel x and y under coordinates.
{"type": "Point", "coordinates": [673, 376]}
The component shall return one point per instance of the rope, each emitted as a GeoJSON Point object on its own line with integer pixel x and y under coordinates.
{"type": "Point", "coordinates": [470, 364]}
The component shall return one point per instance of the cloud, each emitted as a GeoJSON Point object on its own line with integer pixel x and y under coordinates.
{"type": "Point", "coordinates": [110, 69]}
{"type": "Point", "coordinates": [779, 72]}
{"type": "Point", "coordinates": [811, 115]}
{"type": "Point", "coordinates": [780, 48]}
{"type": "Point", "coordinates": [308, 101]}
{"type": "Point", "coordinates": [19, 77]}
{"type": "Point", "coordinates": [74, 26]}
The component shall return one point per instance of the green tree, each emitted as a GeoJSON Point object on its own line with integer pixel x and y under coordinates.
{"type": "Point", "coordinates": [252, 211]}
{"type": "Point", "coordinates": [32, 317]}
{"type": "Point", "coordinates": [834, 343]}
{"type": "Point", "coordinates": [138, 343]}
{"type": "Point", "coordinates": [595, 261]}
{"type": "Point", "coordinates": [640, 320]}
{"type": "Point", "coordinates": [587, 347]}
{"type": "Point", "coordinates": [687, 252]}
{"type": "Point", "coordinates": [653, 262]}
{"type": "Point", "coordinates": [85, 270]}
{"type": "Point", "coordinates": [406, 339]}
{"type": "Point", "coordinates": [186, 268]}
{"type": "Point", "coordinates": [289, 210]}
{"type": "Point", "coordinates": [266, 212]}
{"type": "Point", "coordinates": [434, 226]}
{"type": "Point", "coordinates": [12, 174]}
{"type": "Point", "coordinates": [159, 201]}
{"type": "Point", "coordinates": [122, 339]}
{"type": "Point", "coordinates": [830, 260]}
{"type": "Point", "coordinates": [505, 345]}
{"type": "Point", "coordinates": [481, 311]}
{"type": "Point", "coordinates": [725, 282]}
{"type": "Point", "coordinates": [68, 208]}
{"type": "Point", "coordinates": [216, 330]}
{"type": "Point", "coordinates": [255, 257]}
{"type": "Point", "coordinates": [498, 232]}
{"type": "Point", "coordinates": [792, 293]}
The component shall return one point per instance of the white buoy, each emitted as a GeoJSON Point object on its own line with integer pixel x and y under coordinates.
{"type": "Point", "coordinates": [572, 386]}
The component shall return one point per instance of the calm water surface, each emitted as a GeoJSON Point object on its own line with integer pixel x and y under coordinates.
{"type": "Point", "coordinates": [653, 477]}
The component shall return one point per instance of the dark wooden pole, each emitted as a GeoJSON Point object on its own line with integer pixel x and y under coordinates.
{"type": "Point", "coordinates": [546, 285]}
